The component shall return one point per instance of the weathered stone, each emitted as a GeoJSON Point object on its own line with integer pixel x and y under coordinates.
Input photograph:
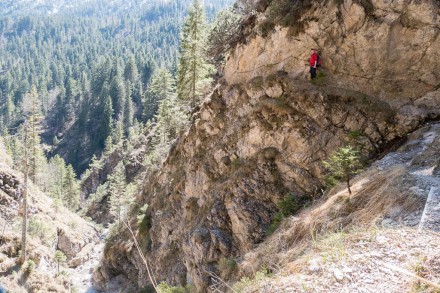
{"type": "Point", "coordinates": [339, 275]}
{"type": "Point", "coordinates": [82, 256]}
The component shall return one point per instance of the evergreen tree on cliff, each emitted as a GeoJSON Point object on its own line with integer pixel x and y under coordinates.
{"type": "Point", "coordinates": [193, 70]}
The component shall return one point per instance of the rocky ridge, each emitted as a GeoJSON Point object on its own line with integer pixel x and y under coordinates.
{"type": "Point", "coordinates": [264, 131]}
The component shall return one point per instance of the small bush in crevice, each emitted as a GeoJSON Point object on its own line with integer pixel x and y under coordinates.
{"type": "Point", "coordinates": [165, 288]}
{"type": "Point", "coordinates": [247, 282]}
{"type": "Point", "coordinates": [29, 267]}
{"type": "Point", "coordinates": [289, 205]}
{"type": "Point", "coordinates": [145, 224]}
{"type": "Point", "coordinates": [226, 267]}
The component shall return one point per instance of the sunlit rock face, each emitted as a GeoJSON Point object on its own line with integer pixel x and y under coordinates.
{"type": "Point", "coordinates": [265, 129]}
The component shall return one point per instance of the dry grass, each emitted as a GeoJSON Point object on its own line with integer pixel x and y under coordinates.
{"type": "Point", "coordinates": [375, 195]}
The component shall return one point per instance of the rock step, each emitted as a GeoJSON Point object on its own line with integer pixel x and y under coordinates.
{"type": "Point", "coordinates": [431, 214]}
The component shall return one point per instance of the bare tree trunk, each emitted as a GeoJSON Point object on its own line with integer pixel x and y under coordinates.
{"type": "Point", "coordinates": [25, 190]}
{"type": "Point", "coordinates": [348, 184]}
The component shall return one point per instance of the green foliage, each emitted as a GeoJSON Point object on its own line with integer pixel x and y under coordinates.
{"type": "Point", "coordinates": [119, 197]}
{"type": "Point", "coordinates": [226, 266]}
{"type": "Point", "coordinates": [59, 256]}
{"type": "Point", "coordinates": [96, 164]}
{"type": "Point", "coordinates": [71, 189]}
{"type": "Point", "coordinates": [193, 73]}
{"type": "Point", "coordinates": [247, 282]}
{"type": "Point", "coordinates": [62, 183]}
{"type": "Point", "coordinates": [165, 288]}
{"type": "Point", "coordinates": [37, 228]}
{"type": "Point", "coordinates": [343, 164]}
{"type": "Point", "coordinates": [162, 86]}
{"type": "Point", "coordinates": [29, 267]}
{"type": "Point", "coordinates": [224, 31]}
{"type": "Point", "coordinates": [144, 220]}
{"type": "Point", "coordinates": [78, 57]}
{"type": "Point", "coordinates": [276, 221]}
{"type": "Point", "coordinates": [100, 194]}
{"type": "Point", "coordinates": [285, 13]}
{"type": "Point", "coordinates": [287, 206]}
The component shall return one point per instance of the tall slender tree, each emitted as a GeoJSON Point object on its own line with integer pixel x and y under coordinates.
{"type": "Point", "coordinates": [71, 189]}
{"type": "Point", "coordinates": [193, 70]}
{"type": "Point", "coordinates": [25, 195]}
{"type": "Point", "coordinates": [117, 186]}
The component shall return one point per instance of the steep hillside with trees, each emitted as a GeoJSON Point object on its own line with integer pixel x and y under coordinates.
{"type": "Point", "coordinates": [91, 64]}
{"type": "Point", "coordinates": [254, 151]}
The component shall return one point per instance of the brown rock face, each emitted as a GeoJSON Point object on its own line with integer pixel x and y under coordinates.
{"type": "Point", "coordinates": [265, 130]}
{"type": "Point", "coordinates": [385, 48]}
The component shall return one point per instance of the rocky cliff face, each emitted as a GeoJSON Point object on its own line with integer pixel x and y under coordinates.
{"type": "Point", "coordinates": [264, 131]}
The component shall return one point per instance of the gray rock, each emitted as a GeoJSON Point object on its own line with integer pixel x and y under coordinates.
{"type": "Point", "coordinates": [338, 274]}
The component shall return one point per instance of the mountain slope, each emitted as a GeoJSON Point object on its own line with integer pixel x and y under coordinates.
{"type": "Point", "coordinates": [51, 227]}
{"type": "Point", "coordinates": [374, 239]}
{"type": "Point", "coordinates": [264, 131]}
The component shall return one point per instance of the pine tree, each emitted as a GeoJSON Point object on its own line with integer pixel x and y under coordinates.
{"type": "Point", "coordinates": [343, 164]}
{"type": "Point", "coordinates": [32, 110]}
{"type": "Point", "coordinates": [118, 132]}
{"type": "Point", "coordinates": [128, 111]}
{"type": "Point", "coordinates": [107, 120]}
{"type": "Point", "coordinates": [170, 119]}
{"type": "Point", "coordinates": [8, 111]}
{"type": "Point", "coordinates": [57, 170]}
{"type": "Point", "coordinates": [60, 258]}
{"type": "Point", "coordinates": [117, 185]}
{"type": "Point", "coordinates": [117, 93]}
{"type": "Point", "coordinates": [224, 31]}
{"type": "Point", "coordinates": [194, 70]}
{"type": "Point", "coordinates": [162, 86]}
{"type": "Point", "coordinates": [131, 72]}
{"type": "Point", "coordinates": [71, 189]}
{"type": "Point", "coordinates": [25, 195]}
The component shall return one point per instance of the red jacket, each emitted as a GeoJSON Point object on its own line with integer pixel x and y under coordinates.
{"type": "Point", "coordinates": [313, 59]}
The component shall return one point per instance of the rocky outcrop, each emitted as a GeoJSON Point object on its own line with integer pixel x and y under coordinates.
{"type": "Point", "coordinates": [133, 158]}
{"type": "Point", "coordinates": [98, 176]}
{"type": "Point", "coordinates": [264, 131]}
{"type": "Point", "coordinates": [386, 49]}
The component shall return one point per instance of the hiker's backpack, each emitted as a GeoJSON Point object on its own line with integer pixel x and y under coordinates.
{"type": "Point", "coordinates": [319, 62]}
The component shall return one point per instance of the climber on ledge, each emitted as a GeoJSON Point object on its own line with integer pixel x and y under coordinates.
{"type": "Point", "coordinates": [314, 63]}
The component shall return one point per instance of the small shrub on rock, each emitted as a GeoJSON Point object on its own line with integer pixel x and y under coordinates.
{"type": "Point", "coordinates": [29, 267]}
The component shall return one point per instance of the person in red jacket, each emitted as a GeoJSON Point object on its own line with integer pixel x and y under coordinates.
{"type": "Point", "coordinates": [314, 59]}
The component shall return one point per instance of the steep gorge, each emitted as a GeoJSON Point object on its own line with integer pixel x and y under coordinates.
{"type": "Point", "coordinates": [265, 129]}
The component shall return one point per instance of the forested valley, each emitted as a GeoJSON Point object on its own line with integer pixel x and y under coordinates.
{"type": "Point", "coordinates": [83, 78]}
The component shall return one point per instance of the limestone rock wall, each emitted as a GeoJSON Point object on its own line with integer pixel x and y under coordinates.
{"type": "Point", "coordinates": [264, 131]}
{"type": "Point", "coordinates": [385, 48]}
